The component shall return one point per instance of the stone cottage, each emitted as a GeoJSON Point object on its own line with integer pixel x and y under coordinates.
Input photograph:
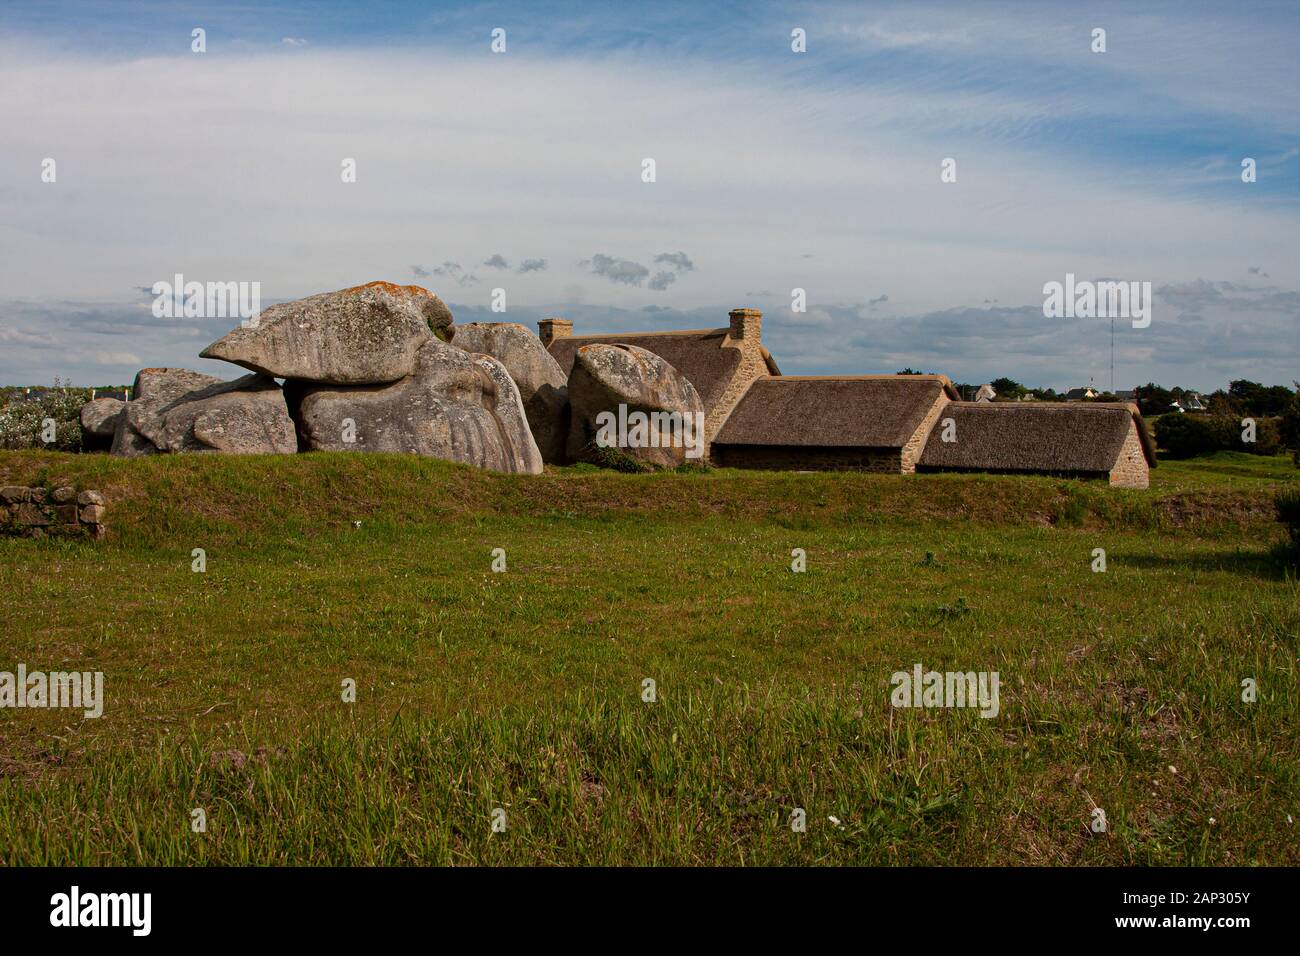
{"type": "Point", "coordinates": [1105, 441]}
{"type": "Point", "coordinates": [825, 423]}
{"type": "Point", "coordinates": [759, 418]}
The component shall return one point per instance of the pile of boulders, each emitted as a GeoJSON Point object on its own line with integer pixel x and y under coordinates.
{"type": "Point", "coordinates": [382, 367]}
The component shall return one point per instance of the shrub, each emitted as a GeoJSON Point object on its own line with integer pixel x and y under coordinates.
{"type": "Point", "coordinates": [1289, 426]}
{"type": "Point", "coordinates": [1186, 436]}
{"type": "Point", "coordinates": [22, 422]}
{"type": "Point", "coordinates": [1288, 512]}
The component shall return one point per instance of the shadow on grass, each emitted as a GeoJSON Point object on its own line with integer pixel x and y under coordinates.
{"type": "Point", "coordinates": [1278, 563]}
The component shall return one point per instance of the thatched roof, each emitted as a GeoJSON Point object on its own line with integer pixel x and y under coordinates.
{"type": "Point", "coordinates": [857, 411]}
{"type": "Point", "coordinates": [698, 354]}
{"type": "Point", "coordinates": [1035, 436]}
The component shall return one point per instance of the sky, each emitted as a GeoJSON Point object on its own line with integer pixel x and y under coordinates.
{"type": "Point", "coordinates": [775, 170]}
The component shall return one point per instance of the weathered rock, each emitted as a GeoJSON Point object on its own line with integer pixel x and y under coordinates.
{"type": "Point", "coordinates": [455, 406]}
{"type": "Point", "coordinates": [247, 416]}
{"type": "Point", "coordinates": [154, 388]}
{"type": "Point", "coordinates": [99, 422]}
{"type": "Point", "coordinates": [64, 495]}
{"type": "Point", "coordinates": [365, 335]}
{"type": "Point", "coordinates": [168, 384]}
{"type": "Point", "coordinates": [539, 378]}
{"type": "Point", "coordinates": [90, 498]}
{"type": "Point", "coordinates": [92, 514]}
{"type": "Point", "coordinates": [13, 494]}
{"type": "Point", "coordinates": [658, 411]}
{"type": "Point", "coordinates": [31, 515]}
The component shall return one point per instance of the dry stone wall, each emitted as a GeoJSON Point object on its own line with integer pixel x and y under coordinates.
{"type": "Point", "coordinates": [41, 512]}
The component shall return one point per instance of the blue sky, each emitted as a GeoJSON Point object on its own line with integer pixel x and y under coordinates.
{"type": "Point", "coordinates": [776, 170]}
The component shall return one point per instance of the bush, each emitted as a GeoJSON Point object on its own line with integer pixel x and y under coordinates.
{"type": "Point", "coordinates": [1289, 426]}
{"type": "Point", "coordinates": [1186, 436]}
{"type": "Point", "coordinates": [1288, 512]}
{"type": "Point", "coordinates": [23, 422]}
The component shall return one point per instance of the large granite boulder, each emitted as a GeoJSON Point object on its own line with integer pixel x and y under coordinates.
{"type": "Point", "coordinates": [454, 405]}
{"type": "Point", "coordinates": [154, 389]}
{"type": "Point", "coordinates": [99, 423]}
{"type": "Point", "coordinates": [628, 404]}
{"type": "Point", "coordinates": [539, 378]}
{"type": "Point", "coordinates": [247, 416]}
{"type": "Point", "coordinates": [365, 335]}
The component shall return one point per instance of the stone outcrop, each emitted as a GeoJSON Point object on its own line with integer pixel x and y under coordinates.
{"type": "Point", "coordinates": [626, 386]}
{"type": "Point", "coordinates": [365, 335]}
{"type": "Point", "coordinates": [246, 416]}
{"type": "Point", "coordinates": [454, 405]}
{"type": "Point", "coordinates": [99, 423]}
{"type": "Point", "coordinates": [365, 369]}
{"type": "Point", "coordinates": [541, 382]}
{"type": "Point", "coordinates": [41, 512]}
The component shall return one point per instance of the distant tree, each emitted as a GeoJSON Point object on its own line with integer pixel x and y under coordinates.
{"type": "Point", "coordinates": [1008, 388]}
{"type": "Point", "coordinates": [1255, 399]}
{"type": "Point", "coordinates": [1106, 397]}
{"type": "Point", "coordinates": [1289, 426]}
{"type": "Point", "coordinates": [1221, 403]}
{"type": "Point", "coordinates": [908, 371]}
{"type": "Point", "coordinates": [1185, 436]}
{"type": "Point", "coordinates": [1153, 400]}
{"type": "Point", "coordinates": [1045, 394]}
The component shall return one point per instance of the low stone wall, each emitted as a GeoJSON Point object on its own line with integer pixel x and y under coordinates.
{"type": "Point", "coordinates": [62, 512]}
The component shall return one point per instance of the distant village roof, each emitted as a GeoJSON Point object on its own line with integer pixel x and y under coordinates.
{"type": "Point", "coordinates": [1075, 394]}
{"type": "Point", "coordinates": [698, 354]}
{"type": "Point", "coordinates": [864, 411]}
{"type": "Point", "coordinates": [1043, 436]}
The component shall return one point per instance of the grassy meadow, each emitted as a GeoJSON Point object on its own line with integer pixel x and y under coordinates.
{"type": "Point", "coordinates": [523, 690]}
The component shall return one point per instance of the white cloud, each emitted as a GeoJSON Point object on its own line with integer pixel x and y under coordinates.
{"type": "Point", "coordinates": [230, 172]}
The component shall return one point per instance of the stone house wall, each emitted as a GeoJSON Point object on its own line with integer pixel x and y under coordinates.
{"type": "Point", "coordinates": [1131, 469]}
{"type": "Point", "coordinates": [747, 335]}
{"type": "Point", "coordinates": [805, 458]}
{"type": "Point", "coordinates": [911, 453]}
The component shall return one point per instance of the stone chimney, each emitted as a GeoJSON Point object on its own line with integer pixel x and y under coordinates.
{"type": "Point", "coordinates": [747, 324]}
{"type": "Point", "coordinates": [548, 330]}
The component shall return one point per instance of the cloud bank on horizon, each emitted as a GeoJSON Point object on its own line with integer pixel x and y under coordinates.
{"type": "Point", "coordinates": [773, 170]}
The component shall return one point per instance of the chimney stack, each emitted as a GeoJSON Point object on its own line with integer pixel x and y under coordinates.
{"type": "Point", "coordinates": [548, 330]}
{"type": "Point", "coordinates": [746, 324]}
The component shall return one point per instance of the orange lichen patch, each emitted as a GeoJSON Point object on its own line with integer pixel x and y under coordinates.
{"type": "Point", "coordinates": [391, 287]}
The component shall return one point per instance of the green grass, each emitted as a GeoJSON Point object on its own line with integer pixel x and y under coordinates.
{"type": "Point", "coordinates": [523, 690]}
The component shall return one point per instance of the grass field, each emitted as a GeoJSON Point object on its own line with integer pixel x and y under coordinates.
{"type": "Point", "coordinates": [523, 690]}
